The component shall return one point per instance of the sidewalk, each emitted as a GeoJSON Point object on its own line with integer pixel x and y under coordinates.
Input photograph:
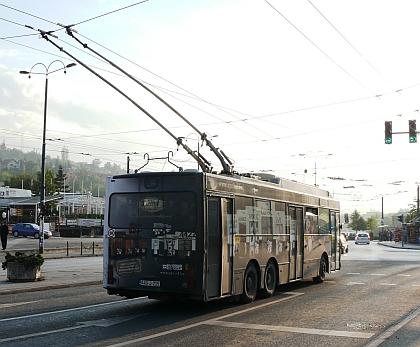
{"type": "Point", "coordinates": [59, 271]}
{"type": "Point", "coordinates": [399, 245]}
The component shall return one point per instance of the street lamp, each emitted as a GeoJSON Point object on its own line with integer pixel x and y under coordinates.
{"type": "Point", "coordinates": [42, 190]}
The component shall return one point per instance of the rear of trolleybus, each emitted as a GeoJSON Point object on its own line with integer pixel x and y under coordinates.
{"type": "Point", "coordinates": [153, 242]}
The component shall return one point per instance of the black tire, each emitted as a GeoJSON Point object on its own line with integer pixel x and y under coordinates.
{"type": "Point", "coordinates": [270, 280]}
{"type": "Point", "coordinates": [322, 270]}
{"type": "Point", "coordinates": [250, 285]}
{"type": "Point", "coordinates": [16, 234]}
{"type": "Point", "coordinates": [36, 235]}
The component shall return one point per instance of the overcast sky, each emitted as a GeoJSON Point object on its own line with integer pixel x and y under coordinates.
{"type": "Point", "coordinates": [272, 79]}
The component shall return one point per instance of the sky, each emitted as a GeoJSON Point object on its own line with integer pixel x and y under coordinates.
{"type": "Point", "coordinates": [299, 89]}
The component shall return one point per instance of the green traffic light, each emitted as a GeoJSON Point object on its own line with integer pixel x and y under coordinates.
{"type": "Point", "coordinates": [413, 139]}
{"type": "Point", "coordinates": [388, 140]}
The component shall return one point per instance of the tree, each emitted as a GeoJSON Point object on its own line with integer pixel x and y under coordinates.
{"type": "Point", "coordinates": [412, 214]}
{"type": "Point", "coordinates": [357, 221]}
{"type": "Point", "coordinates": [372, 222]}
{"type": "Point", "coordinates": [60, 180]}
{"type": "Point", "coordinates": [49, 183]}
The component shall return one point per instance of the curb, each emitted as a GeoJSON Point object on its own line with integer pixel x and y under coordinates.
{"type": "Point", "coordinates": [52, 286]}
{"type": "Point", "coordinates": [407, 246]}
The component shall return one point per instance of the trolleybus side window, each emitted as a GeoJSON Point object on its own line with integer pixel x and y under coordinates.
{"type": "Point", "coordinates": [324, 221]}
{"type": "Point", "coordinates": [264, 210]}
{"type": "Point", "coordinates": [244, 209]}
{"type": "Point", "coordinates": [279, 218]}
{"type": "Point", "coordinates": [311, 221]}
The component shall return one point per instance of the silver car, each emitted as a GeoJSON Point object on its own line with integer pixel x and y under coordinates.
{"type": "Point", "coordinates": [362, 238]}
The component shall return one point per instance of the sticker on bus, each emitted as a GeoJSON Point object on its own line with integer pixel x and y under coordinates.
{"type": "Point", "coordinates": [148, 283]}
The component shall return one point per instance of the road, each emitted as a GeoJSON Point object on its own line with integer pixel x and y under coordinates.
{"type": "Point", "coordinates": [375, 290]}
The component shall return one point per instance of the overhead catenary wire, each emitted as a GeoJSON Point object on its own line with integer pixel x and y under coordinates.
{"type": "Point", "coordinates": [242, 120]}
{"type": "Point", "coordinates": [263, 116]}
{"type": "Point", "coordinates": [346, 40]}
{"type": "Point", "coordinates": [313, 43]}
{"type": "Point", "coordinates": [219, 107]}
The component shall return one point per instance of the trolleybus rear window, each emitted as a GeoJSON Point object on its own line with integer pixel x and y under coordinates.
{"type": "Point", "coordinates": [175, 210]}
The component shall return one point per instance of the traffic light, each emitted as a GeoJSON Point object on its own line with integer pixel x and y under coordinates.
{"type": "Point", "coordinates": [412, 132]}
{"type": "Point", "coordinates": [388, 132]}
{"type": "Point", "coordinates": [401, 218]}
{"type": "Point", "coordinates": [346, 217]}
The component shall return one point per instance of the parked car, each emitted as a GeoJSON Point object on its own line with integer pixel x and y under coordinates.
{"type": "Point", "coordinates": [362, 238]}
{"type": "Point", "coordinates": [29, 229]}
{"type": "Point", "coordinates": [344, 245]}
{"type": "Point", "coordinates": [352, 236]}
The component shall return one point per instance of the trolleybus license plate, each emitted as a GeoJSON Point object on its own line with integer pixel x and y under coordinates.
{"type": "Point", "coordinates": [149, 283]}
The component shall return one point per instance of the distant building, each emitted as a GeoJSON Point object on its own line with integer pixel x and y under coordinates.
{"type": "Point", "coordinates": [7, 192]}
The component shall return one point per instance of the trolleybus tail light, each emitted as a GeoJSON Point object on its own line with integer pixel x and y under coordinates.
{"type": "Point", "coordinates": [110, 275]}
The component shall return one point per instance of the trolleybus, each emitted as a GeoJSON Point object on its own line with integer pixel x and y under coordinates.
{"type": "Point", "coordinates": [205, 236]}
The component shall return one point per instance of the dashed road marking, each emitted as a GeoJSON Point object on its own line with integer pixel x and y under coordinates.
{"type": "Point", "coordinates": [16, 304]}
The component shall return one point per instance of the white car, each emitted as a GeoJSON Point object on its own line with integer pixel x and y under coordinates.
{"type": "Point", "coordinates": [362, 238]}
{"type": "Point", "coordinates": [47, 234]}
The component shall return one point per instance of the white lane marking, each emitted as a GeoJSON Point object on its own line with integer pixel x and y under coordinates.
{"type": "Point", "coordinates": [403, 275]}
{"type": "Point", "coordinates": [16, 304]}
{"type": "Point", "coordinates": [387, 284]}
{"type": "Point", "coordinates": [353, 273]}
{"type": "Point", "coordinates": [99, 323]}
{"type": "Point", "coordinates": [69, 310]}
{"type": "Point", "coordinates": [393, 329]}
{"type": "Point", "coordinates": [37, 334]}
{"type": "Point", "coordinates": [415, 285]}
{"type": "Point", "coordinates": [149, 337]}
{"type": "Point", "coordinates": [354, 283]}
{"type": "Point", "coordinates": [291, 329]}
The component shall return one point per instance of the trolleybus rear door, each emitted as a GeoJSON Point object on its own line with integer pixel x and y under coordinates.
{"type": "Point", "coordinates": [219, 247]}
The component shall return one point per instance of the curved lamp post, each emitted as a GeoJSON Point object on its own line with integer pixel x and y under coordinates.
{"type": "Point", "coordinates": [42, 190]}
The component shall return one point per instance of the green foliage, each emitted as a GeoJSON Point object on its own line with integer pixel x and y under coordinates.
{"type": "Point", "coordinates": [23, 258]}
{"type": "Point", "coordinates": [357, 221]}
{"type": "Point", "coordinates": [372, 222]}
{"type": "Point", "coordinates": [83, 177]}
{"type": "Point", "coordinates": [60, 181]}
{"type": "Point", "coordinates": [412, 214]}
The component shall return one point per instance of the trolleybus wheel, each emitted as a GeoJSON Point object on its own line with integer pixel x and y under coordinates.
{"type": "Point", "coordinates": [250, 284]}
{"type": "Point", "coordinates": [322, 271]}
{"type": "Point", "coordinates": [270, 280]}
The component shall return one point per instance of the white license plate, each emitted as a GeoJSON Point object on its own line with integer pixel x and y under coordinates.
{"type": "Point", "coordinates": [149, 283]}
